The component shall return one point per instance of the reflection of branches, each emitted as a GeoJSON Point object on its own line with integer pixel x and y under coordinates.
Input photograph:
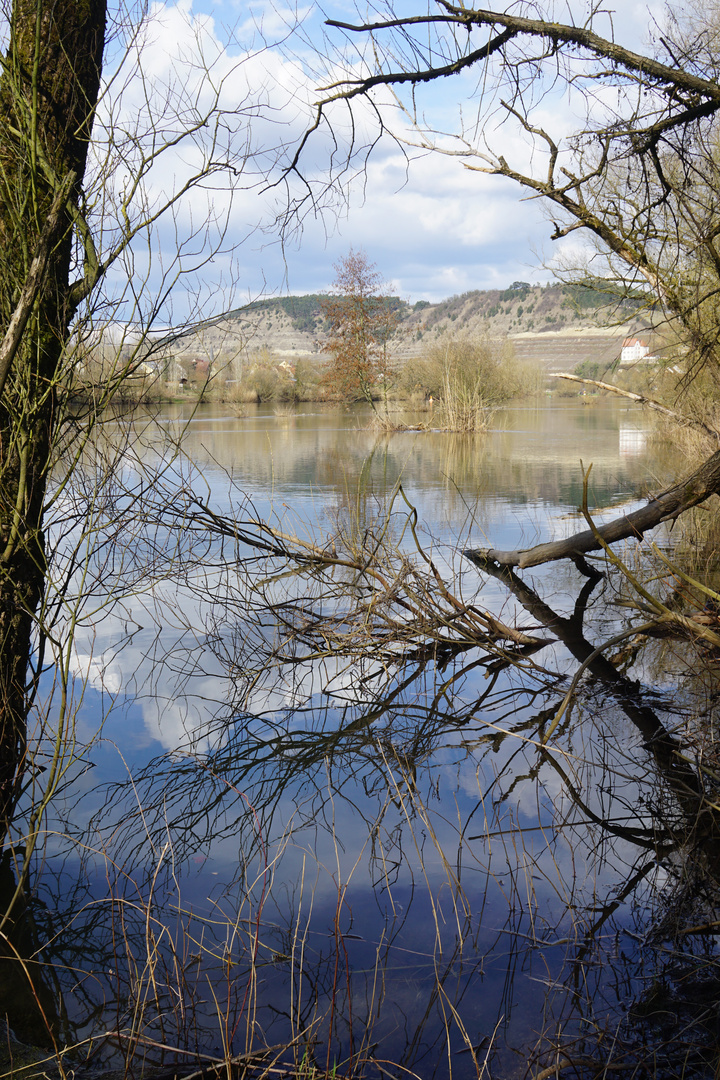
{"type": "Point", "coordinates": [692, 836]}
{"type": "Point", "coordinates": [400, 854]}
{"type": "Point", "coordinates": [358, 591]}
{"type": "Point", "coordinates": [666, 750]}
{"type": "Point", "coordinates": [319, 722]}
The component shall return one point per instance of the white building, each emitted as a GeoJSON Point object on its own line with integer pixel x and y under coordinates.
{"type": "Point", "coordinates": [633, 349]}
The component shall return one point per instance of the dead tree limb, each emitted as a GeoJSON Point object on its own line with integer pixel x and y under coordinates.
{"type": "Point", "coordinates": [641, 399]}
{"type": "Point", "coordinates": [666, 506]}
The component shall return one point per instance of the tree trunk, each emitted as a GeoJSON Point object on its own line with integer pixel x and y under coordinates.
{"type": "Point", "coordinates": [48, 91]}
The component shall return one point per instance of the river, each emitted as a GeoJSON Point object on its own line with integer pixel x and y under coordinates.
{"type": "Point", "coordinates": [364, 858]}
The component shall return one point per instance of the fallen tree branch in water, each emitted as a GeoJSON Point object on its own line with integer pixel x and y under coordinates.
{"type": "Point", "coordinates": [641, 399]}
{"type": "Point", "coordinates": [666, 506]}
{"type": "Point", "coordinates": [356, 596]}
{"type": "Point", "coordinates": [664, 620]}
{"type": "Point", "coordinates": [681, 773]}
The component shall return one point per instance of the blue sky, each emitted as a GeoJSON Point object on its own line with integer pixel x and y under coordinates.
{"type": "Point", "coordinates": [432, 227]}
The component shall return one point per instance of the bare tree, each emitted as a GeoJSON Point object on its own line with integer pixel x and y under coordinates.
{"type": "Point", "coordinates": [638, 175]}
{"type": "Point", "coordinates": [91, 171]}
{"type": "Point", "coordinates": [639, 172]}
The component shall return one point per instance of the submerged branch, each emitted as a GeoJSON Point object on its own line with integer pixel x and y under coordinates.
{"type": "Point", "coordinates": [358, 595]}
{"type": "Point", "coordinates": [681, 774]}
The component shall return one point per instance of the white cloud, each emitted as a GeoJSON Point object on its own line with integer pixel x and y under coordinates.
{"type": "Point", "coordinates": [431, 226]}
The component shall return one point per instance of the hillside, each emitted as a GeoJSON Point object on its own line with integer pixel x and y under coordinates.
{"type": "Point", "coordinates": [557, 325]}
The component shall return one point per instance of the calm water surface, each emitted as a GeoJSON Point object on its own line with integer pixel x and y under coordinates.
{"type": "Point", "coordinates": [348, 858]}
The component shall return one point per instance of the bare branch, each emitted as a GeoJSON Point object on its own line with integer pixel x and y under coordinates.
{"type": "Point", "coordinates": [34, 280]}
{"type": "Point", "coordinates": [641, 399]}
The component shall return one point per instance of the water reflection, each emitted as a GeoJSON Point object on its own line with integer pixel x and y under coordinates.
{"type": "Point", "coordinates": [532, 454]}
{"type": "Point", "coordinates": [632, 440]}
{"type": "Point", "coordinates": [437, 880]}
{"type": "Point", "coordinates": [367, 858]}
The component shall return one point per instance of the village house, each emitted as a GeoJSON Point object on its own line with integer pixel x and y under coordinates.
{"type": "Point", "coordinates": [633, 349]}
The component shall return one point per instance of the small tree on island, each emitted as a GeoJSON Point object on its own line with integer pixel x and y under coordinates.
{"type": "Point", "coordinates": [361, 322]}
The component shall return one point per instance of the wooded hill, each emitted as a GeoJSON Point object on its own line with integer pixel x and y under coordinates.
{"type": "Point", "coordinates": [557, 324]}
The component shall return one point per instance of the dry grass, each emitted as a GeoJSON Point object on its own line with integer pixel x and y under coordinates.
{"type": "Point", "coordinates": [463, 406]}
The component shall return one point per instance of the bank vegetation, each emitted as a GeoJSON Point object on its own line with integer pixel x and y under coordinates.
{"type": "Point", "coordinates": [458, 382]}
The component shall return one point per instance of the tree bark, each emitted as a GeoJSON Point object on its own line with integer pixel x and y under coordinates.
{"type": "Point", "coordinates": [703, 483]}
{"type": "Point", "coordinates": [48, 92]}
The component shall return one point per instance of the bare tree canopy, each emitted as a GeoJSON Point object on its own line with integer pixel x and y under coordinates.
{"type": "Point", "coordinates": [639, 172]}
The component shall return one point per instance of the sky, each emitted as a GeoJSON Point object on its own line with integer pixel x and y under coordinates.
{"type": "Point", "coordinates": [250, 73]}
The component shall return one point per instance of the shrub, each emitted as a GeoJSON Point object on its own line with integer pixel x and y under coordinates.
{"type": "Point", "coordinates": [470, 378]}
